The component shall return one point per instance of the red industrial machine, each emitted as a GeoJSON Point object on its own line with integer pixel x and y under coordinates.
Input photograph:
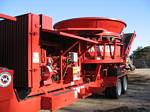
{"type": "Point", "coordinates": [57, 66]}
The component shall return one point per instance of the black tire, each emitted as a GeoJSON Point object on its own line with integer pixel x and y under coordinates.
{"type": "Point", "coordinates": [107, 92]}
{"type": "Point", "coordinates": [124, 84]}
{"type": "Point", "coordinates": [114, 92]}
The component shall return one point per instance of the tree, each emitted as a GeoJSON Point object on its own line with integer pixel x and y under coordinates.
{"type": "Point", "coordinates": [141, 53]}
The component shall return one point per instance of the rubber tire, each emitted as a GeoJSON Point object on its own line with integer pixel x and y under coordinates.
{"type": "Point", "coordinates": [124, 84]}
{"type": "Point", "coordinates": [114, 92]}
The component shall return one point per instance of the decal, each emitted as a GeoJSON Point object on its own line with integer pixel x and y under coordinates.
{"type": "Point", "coordinates": [5, 79]}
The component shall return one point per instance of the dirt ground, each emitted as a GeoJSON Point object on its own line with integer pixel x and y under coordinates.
{"type": "Point", "coordinates": [137, 99]}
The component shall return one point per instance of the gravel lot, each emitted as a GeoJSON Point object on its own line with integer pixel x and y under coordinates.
{"type": "Point", "coordinates": [137, 98]}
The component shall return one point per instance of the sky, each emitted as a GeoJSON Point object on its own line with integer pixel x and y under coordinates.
{"type": "Point", "coordinates": [136, 13]}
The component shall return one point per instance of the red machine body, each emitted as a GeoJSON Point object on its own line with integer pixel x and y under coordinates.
{"type": "Point", "coordinates": [77, 58]}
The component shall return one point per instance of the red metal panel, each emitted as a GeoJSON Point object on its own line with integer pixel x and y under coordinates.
{"type": "Point", "coordinates": [13, 105]}
{"type": "Point", "coordinates": [107, 61]}
{"type": "Point", "coordinates": [46, 22]}
{"type": "Point", "coordinates": [29, 51]}
{"type": "Point", "coordinates": [5, 92]}
{"type": "Point", "coordinates": [14, 48]}
{"type": "Point", "coordinates": [34, 52]}
{"type": "Point", "coordinates": [111, 25]}
{"type": "Point", "coordinates": [51, 102]}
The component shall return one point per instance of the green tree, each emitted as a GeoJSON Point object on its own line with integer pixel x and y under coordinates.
{"type": "Point", "coordinates": [141, 53]}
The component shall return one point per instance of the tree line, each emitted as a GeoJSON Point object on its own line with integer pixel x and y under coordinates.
{"type": "Point", "coordinates": [141, 53]}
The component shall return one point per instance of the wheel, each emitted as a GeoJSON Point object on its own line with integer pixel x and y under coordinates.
{"type": "Point", "coordinates": [114, 92]}
{"type": "Point", "coordinates": [118, 89]}
{"type": "Point", "coordinates": [124, 84]}
{"type": "Point", "coordinates": [107, 92]}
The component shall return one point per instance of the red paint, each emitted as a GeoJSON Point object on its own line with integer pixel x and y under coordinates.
{"type": "Point", "coordinates": [5, 91]}
{"type": "Point", "coordinates": [31, 39]}
{"type": "Point", "coordinates": [89, 24]}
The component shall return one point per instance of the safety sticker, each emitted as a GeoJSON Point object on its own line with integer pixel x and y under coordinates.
{"type": "Point", "coordinates": [5, 79]}
{"type": "Point", "coordinates": [36, 57]}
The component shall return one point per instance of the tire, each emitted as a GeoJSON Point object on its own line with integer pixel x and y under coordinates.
{"type": "Point", "coordinates": [107, 92]}
{"type": "Point", "coordinates": [124, 84]}
{"type": "Point", "coordinates": [114, 92]}
{"type": "Point", "coordinates": [118, 89]}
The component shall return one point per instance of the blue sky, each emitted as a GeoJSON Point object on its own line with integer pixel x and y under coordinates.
{"type": "Point", "coordinates": [136, 13]}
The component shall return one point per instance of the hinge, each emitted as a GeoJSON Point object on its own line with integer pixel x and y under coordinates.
{"type": "Point", "coordinates": [34, 33]}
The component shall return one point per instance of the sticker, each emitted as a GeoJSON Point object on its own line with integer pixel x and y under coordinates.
{"type": "Point", "coordinates": [36, 57]}
{"type": "Point", "coordinates": [5, 79]}
{"type": "Point", "coordinates": [76, 91]}
{"type": "Point", "coordinates": [107, 48]}
{"type": "Point", "coordinates": [82, 87]}
{"type": "Point", "coordinates": [98, 58]}
{"type": "Point", "coordinates": [72, 83]}
{"type": "Point", "coordinates": [76, 77]}
{"type": "Point", "coordinates": [92, 49]}
{"type": "Point", "coordinates": [75, 94]}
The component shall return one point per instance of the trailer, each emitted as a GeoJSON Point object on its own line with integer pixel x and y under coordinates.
{"type": "Point", "coordinates": [55, 66]}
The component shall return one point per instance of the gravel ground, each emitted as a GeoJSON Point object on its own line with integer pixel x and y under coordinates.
{"type": "Point", "coordinates": [137, 98]}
